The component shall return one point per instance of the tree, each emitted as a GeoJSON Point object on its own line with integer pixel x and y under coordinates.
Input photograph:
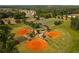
{"type": "Point", "coordinates": [75, 23]}
{"type": "Point", "coordinates": [6, 14]}
{"type": "Point", "coordinates": [58, 22]}
{"type": "Point", "coordinates": [10, 46]}
{"type": "Point", "coordinates": [6, 38]}
{"type": "Point", "coordinates": [19, 15]}
{"type": "Point", "coordinates": [54, 13]}
{"type": "Point", "coordinates": [35, 25]}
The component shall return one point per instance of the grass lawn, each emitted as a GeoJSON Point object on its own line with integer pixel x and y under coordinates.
{"type": "Point", "coordinates": [68, 42]}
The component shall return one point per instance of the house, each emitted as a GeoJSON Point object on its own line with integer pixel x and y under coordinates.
{"type": "Point", "coordinates": [29, 13]}
{"type": "Point", "coordinates": [8, 21]}
{"type": "Point", "coordinates": [30, 20]}
{"type": "Point", "coordinates": [73, 15]}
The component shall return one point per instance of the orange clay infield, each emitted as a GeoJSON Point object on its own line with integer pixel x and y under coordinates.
{"type": "Point", "coordinates": [54, 35]}
{"type": "Point", "coordinates": [23, 31]}
{"type": "Point", "coordinates": [37, 45]}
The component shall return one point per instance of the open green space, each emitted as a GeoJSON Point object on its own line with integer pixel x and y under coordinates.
{"type": "Point", "coordinates": [68, 42]}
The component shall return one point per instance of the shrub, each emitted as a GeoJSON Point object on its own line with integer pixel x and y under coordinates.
{"type": "Point", "coordinates": [35, 25]}
{"type": "Point", "coordinates": [58, 22]}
